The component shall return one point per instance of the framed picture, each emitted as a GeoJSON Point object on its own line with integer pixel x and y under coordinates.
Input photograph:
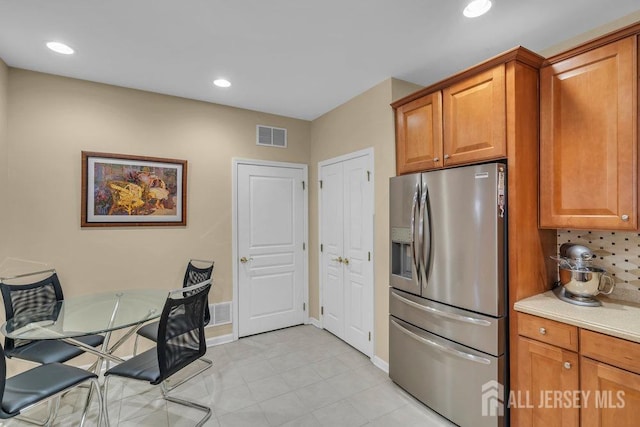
{"type": "Point", "coordinates": [122, 190]}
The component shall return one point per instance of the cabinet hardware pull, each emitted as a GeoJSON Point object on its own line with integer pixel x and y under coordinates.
{"type": "Point", "coordinates": [625, 218]}
{"type": "Point", "coordinates": [339, 259]}
{"type": "Point", "coordinates": [543, 331]}
{"type": "Point", "coordinates": [567, 365]}
{"type": "Point", "coordinates": [436, 159]}
{"type": "Point", "coordinates": [245, 259]}
{"type": "Point", "coordinates": [346, 261]}
{"type": "Point", "coordinates": [446, 156]}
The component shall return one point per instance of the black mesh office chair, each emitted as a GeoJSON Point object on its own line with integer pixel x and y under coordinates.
{"type": "Point", "coordinates": [40, 384]}
{"type": "Point", "coordinates": [192, 276]}
{"type": "Point", "coordinates": [29, 297]}
{"type": "Point", "coordinates": [180, 342]}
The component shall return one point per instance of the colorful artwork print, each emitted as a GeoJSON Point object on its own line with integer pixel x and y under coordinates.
{"type": "Point", "coordinates": [132, 190]}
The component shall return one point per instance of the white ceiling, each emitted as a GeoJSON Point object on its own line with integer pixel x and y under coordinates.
{"type": "Point", "coordinates": [297, 58]}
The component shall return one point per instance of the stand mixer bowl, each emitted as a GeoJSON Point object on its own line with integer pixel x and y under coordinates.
{"type": "Point", "coordinates": [586, 281]}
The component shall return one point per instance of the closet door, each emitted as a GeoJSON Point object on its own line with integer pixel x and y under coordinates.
{"type": "Point", "coordinates": [357, 243]}
{"type": "Point", "coordinates": [346, 221]}
{"type": "Point", "coordinates": [332, 223]}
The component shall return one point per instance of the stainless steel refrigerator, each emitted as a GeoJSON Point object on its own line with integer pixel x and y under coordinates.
{"type": "Point", "coordinates": [448, 295]}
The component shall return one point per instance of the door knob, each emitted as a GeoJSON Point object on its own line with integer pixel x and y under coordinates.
{"type": "Point", "coordinates": [346, 261]}
{"type": "Point", "coordinates": [339, 259]}
{"type": "Point", "coordinates": [245, 259]}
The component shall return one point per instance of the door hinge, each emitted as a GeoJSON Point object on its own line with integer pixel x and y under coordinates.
{"type": "Point", "coordinates": [303, 186]}
{"type": "Point", "coordinates": [320, 184]}
{"type": "Point", "coordinates": [322, 310]}
{"type": "Point", "coordinates": [304, 246]}
{"type": "Point", "coordinates": [369, 255]}
{"type": "Point", "coordinates": [368, 175]}
{"type": "Point", "coordinates": [304, 306]}
{"type": "Point", "coordinates": [369, 335]}
{"type": "Point", "coordinates": [321, 247]}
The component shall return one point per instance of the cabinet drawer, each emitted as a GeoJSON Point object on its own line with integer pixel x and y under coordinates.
{"type": "Point", "coordinates": [549, 331]}
{"type": "Point", "coordinates": [614, 351]}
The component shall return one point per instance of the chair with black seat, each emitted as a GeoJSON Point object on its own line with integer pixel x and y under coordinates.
{"type": "Point", "coordinates": [192, 276]}
{"type": "Point", "coordinates": [41, 384]}
{"type": "Point", "coordinates": [29, 297]}
{"type": "Point", "coordinates": [181, 341]}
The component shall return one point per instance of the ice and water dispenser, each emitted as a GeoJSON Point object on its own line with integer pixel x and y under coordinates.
{"type": "Point", "coordinates": [401, 252]}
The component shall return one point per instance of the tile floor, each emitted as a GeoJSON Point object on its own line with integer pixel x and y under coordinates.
{"type": "Point", "coordinates": [300, 376]}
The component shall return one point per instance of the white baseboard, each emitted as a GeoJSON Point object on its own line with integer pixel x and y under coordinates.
{"type": "Point", "coordinates": [314, 322]}
{"type": "Point", "coordinates": [380, 364]}
{"type": "Point", "coordinates": [222, 339]}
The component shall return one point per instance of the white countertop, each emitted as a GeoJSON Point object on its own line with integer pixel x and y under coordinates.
{"type": "Point", "coordinates": [617, 318]}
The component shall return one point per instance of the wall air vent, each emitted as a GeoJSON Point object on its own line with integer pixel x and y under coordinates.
{"type": "Point", "coordinates": [271, 137]}
{"type": "Point", "coordinates": [220, 313]}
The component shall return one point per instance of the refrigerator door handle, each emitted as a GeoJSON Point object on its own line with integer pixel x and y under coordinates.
{"type": "Point", "coordinates": [453, 316]}
{"type": "Point", "coordinates": [415, 242]}
{"type": "Point", "coordinates": [442, 348]}
{"type": "Point", "coordinates": [425, 235]}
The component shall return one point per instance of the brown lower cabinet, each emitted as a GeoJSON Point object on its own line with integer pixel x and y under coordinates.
{"type": "Point", "coordinates": [545, 370]}
{"type": "Point", "coordinates": [612, 395]}
{"type": "Point", "coordinates": [570, 377]}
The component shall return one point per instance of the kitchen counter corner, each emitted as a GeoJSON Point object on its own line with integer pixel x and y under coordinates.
{"type": "Point", "coordinates": [616, 318]}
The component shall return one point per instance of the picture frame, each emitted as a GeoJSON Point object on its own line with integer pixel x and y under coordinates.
{"type": "Point", "coordinates": [121, 190]}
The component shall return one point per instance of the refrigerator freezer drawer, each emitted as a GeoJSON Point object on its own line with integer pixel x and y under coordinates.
{"type": "Point", "coordinates": [474, 330]}
{"type": "Point", "coordinates": [447, 377]}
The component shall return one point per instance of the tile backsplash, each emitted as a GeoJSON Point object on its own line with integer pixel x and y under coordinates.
{"type": "Point", "coordinates": [617, 252]}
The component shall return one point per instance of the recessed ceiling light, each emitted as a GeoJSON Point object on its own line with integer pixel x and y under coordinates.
{"type": "Point", "coordinates": [222, 82]}
{"type": "Point", "coordinates": [60, 48]}
{"type": "Point", "coordinates": [477, 8]}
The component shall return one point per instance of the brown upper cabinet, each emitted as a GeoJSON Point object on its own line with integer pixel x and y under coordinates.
{"type": "Point", "coordinates": [462, 119]}
{"type": "Point", "coordinates": [474, 118]}
{"type": "Point", "coordinates": [419, 134]}
{"type": "Point", "coordinates": [588, 136]}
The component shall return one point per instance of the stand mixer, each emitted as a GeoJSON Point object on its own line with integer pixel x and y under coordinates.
{"type": "Point", "coordinates": [580, 281]}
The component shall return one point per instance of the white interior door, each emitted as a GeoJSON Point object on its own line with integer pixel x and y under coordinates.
{"type": "Point", "coordinates": [357, 244]}
{"type": "Point", "coordinates": [346, 218]}
{"type": "Point", "coordinates": [332, 248]}
{"type": "Point", "coordinates": [270, 255]}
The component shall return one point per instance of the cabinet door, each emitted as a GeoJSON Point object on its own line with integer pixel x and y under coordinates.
{"type": "Point", "coordinates": [475, 117]}
{"type": "Point", "coordinates": [419, 134]}
{"type": "Point", "coordinates": [588, 165]}
{"type": "Point", "coordinates": [613, 395]}
{"type": "Point", "coordinates": [544, 371]}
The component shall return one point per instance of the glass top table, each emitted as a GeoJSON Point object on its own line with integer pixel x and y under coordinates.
{"type": "Point", "coordinates": [87, 314]}
{"type": "Point", "coordinates": [101, 313]}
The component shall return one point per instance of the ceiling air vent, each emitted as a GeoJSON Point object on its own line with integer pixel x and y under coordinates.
{"type": "Point", "coordinates": [271, 137]}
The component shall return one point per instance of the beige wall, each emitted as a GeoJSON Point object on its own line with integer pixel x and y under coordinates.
{"type": "Point", "coordinates": [632, 18]}
{"type": "Point", "coordinates": [52, 119]}
{"type": "Point", "coordinates": [364, 121]}
{"type": "Point", "coordinates": [4, 86]}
